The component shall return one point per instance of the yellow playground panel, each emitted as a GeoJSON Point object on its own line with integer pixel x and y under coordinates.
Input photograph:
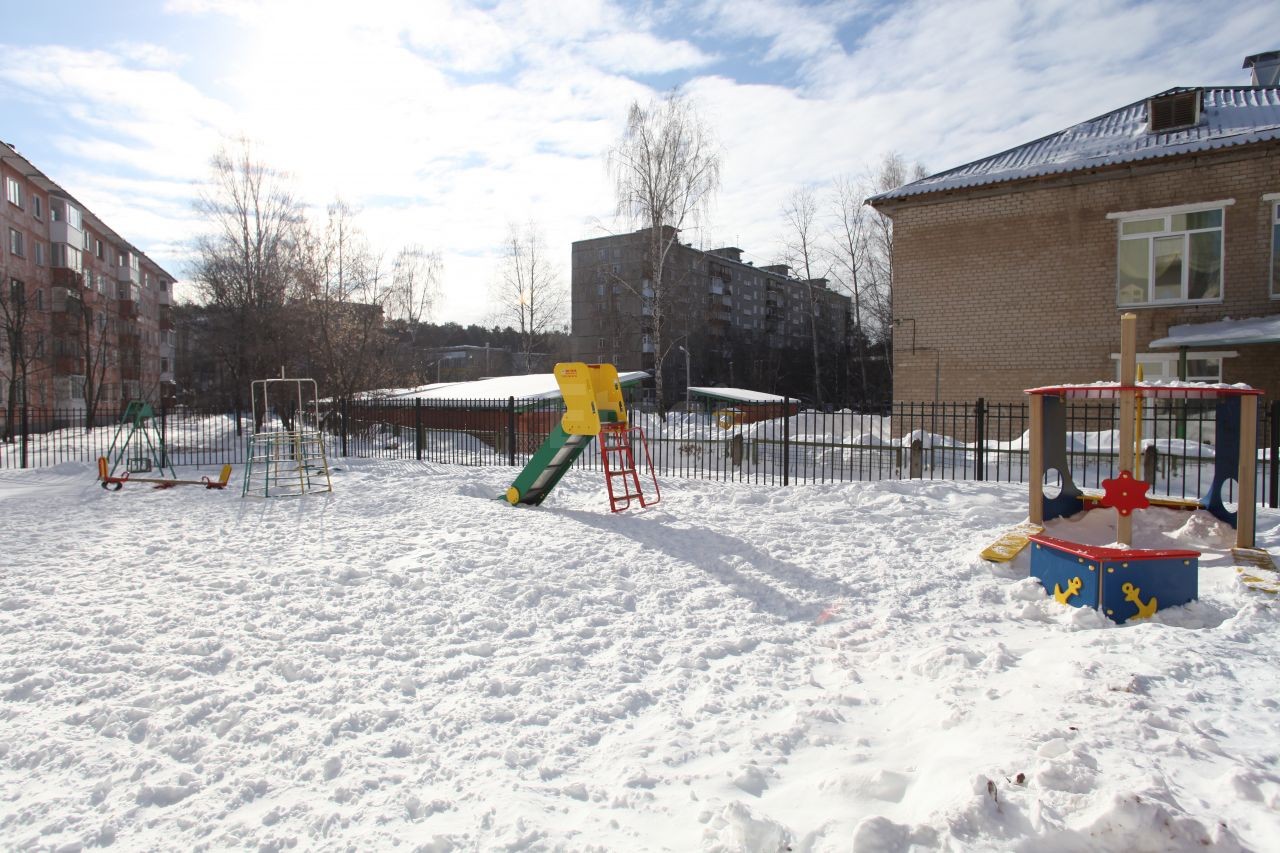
{"type": "Point", "coordinates": [588, 390]}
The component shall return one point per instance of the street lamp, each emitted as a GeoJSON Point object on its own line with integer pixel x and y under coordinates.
{"type": "Point", "coordinates": [687, 398]}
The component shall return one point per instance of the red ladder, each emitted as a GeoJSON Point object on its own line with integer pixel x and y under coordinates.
{"type": "Point", "coordinates": [619, 462]}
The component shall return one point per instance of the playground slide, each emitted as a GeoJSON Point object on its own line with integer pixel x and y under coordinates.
{"type": "Point", "coordinates": [556, 456]}
{"type": "Point", "coordinates": [591, 395]}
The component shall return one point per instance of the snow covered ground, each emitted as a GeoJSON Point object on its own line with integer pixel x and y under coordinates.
{"type": "Point", "coordinates": [408, 660]}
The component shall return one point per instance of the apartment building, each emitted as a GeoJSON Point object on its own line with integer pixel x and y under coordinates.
{"type": "Point", "coordinates": [738, 324]}
{"type": "Point", "coordinates": [85, 317]}
{"type": "Point", "coordinates": [1012, 271]}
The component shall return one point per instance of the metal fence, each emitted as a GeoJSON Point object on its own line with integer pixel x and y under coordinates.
{"type": "Point", "coordinates": [940, 441]}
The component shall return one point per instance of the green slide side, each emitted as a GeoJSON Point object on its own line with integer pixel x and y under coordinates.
{"type": "Point", "coordinates": [556, 455]}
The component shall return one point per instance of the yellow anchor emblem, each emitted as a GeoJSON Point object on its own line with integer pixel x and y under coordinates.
{"type": "Point", "coordinates": [1073, 587]}
{"type": "Point", "coordinates": [1134, 595]}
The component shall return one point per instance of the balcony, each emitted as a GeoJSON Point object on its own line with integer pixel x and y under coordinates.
{"type": "Point", "coordinates": [129, 341]}
{"type": "Point", "coordinates": [127, 309]}
{"type": "Point", "coordinates": [61, 231]}
{"type": "Point", "coordinates": [65, 301]}
{"type": "Point", "coordinates": [166, 317]}
{"type": "Point", "coordinates": [129, 274]}
{"type": "Point", "coordinates": [68, 365]}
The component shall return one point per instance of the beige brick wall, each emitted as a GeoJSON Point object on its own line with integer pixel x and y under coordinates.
{"type": "Point", "coordinates": [1011, 290]}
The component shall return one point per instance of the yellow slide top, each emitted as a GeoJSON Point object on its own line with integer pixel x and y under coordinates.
{"type": "Point", "coordinates": [589, 390]}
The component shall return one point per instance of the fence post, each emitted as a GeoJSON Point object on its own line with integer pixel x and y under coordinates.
{"type": "Point", "coordinates": [164, 436]}
{"type": "Point", "coordinates": [24, 425]}
{"type": "Point", "coordinates": [346, 415]}
{"type": "Point", "coordinates": [980, 440]}
{"type": "Point", "coordinates": [511, 430]}
{"type": "Point", "coordinates": [1274, 485]}
{"type": "Point", "coordinates": [1149, 459]}
{"type": "Point", "coordinates": [917, 459]}
{"type": "Point", "coordinates": [418, 437]}
{"type": "Point", "coordinates": [786, 445]}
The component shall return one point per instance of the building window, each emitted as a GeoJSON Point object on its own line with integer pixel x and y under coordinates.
{"type": "Point", "coordinates": [97, 248]}
{"type": "Point", "coordinates": [1163, 366]}
{"type": "Point", "coordinates": [1275, 250]}
{"type": "Point", "coordinates": [13, 190]}
{"type": "Point", "coordinates": [15, 243]}
{"type": "Point", "coordinates": [1172, 258]}
{"type": "Point", "coordinates": [68, 256]}
{"type": "Point", "coordinates": [37, 207]}
{"type": "Point", "coordinates": [73, 217]}
{"type": "Point", "coordinates": [40, 299]}
{"type": "Point", "coordinates": [39, 253]}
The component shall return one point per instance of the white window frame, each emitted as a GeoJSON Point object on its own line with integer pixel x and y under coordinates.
{"type": "Point", "coordinates": [1273, 199]}
{"type": "Point", "coordinates": [1167, 214]}
{"type": "Point", "coordinates": [16, 247]}
{"type": "Point", "coordinates": [13, 191]}
{"type": "Point", "coordinates": [37, 207]}
{"type": "Point", "coordinates": [1171, 359]}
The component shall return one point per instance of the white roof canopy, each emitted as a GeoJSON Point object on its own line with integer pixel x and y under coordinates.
{"type": "Point", "coordinates": [1228, 332]}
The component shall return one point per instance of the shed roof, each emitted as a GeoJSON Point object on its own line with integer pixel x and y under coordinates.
{"type": "Point", "coordinates": [740, 395]}
{"type": "Point", "coordinates": [1226, 332]}
{"type": "Point", "coordinates": [1231, 116]}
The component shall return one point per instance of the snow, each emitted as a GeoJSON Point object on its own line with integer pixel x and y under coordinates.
{"type": "Point", "coordinates": [1232, 116]}
{"type": "Point", "coordinates": [1225, 332]}
{"type": "Point", "coordinates": [531, 386]}
{"type": "Point", "coordinates": [410, 661]}
{"type": "Point", "coordinates": [741, 395]}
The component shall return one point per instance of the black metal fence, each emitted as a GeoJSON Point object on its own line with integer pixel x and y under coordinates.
{"type": "Point", "coordinates": [941, 441]}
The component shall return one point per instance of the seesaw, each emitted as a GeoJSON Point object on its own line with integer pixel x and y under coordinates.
{"type": "Point", "coordinates": [109, 480]}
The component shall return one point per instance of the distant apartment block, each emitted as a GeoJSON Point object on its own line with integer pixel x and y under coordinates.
{"type": "Point", "coordinates": [741, 324]}
{"type": "Point", "coordinates": [85, 312]}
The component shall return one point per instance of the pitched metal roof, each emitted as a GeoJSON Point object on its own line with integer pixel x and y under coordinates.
{"type": "Point", "coordinates": [1231, 116]}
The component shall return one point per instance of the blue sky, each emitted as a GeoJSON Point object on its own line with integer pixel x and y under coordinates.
{"type": "Point", "coordinates": [443, 122]}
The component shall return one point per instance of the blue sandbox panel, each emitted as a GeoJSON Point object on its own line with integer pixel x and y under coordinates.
{"type": "Point", "coordinates": [1171, 581]}
{"type": "Point", "coordinates": [1056, 570]}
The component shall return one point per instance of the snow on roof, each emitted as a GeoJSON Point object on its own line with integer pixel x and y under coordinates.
{"type": "Point", "coordinates": [1225, 332]}
{"type": "Point", "coordinates": [531, 386]}
{"type": "Point", "coordinates": [1231, 116]}
{"type": "Point", "coordinates": [1165, 388]}
{"type": "Point", "coordinates": [740, 395]}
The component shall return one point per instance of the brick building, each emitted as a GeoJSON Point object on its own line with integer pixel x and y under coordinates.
{"type": "Point", "coordinates": [740, 323]}
{"type": "Point", "coordinates": [1012, 271]}
{"type": "Point", "coordinates": [85, 315]}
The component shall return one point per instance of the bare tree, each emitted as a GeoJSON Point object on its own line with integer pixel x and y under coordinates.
{"type": "Point", "coordinates": [93, 334]}
{"type": "Point", "coordinates": [415, 284]}
{"type": "Point", "coordinates": [345, 292]}
{"type": "Point", "coordinates": [665, 168]}
{"type": "Point", "coordinates": [528, 294]}
{"type": "Point", "coordinates": [15, 318]}
{"type": "Point", "coordinates": [803, 253]}
{"type": "Point", "coordinates": [892, 173]}
{"type": "Point", "coordinates": [246, 263]}
{"type": "Point", "coordinates": [851, 257]}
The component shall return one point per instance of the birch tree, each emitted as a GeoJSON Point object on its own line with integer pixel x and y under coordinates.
{"type": "Point", "coordinates": [529, 295]}
{"type": "Point", "coordinates": [803, 254]}
{"type": "Point", "coordinates": [665, 169]}
{"type": "Point", "coordinates": [850, 255]}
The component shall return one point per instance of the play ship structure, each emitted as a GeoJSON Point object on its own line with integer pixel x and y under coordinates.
{"type": "Point", "coordinates": [1123, 582]}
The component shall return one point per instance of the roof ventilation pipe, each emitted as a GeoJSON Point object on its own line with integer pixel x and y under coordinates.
{"type": "Point", "coordinates": [1266, 68]}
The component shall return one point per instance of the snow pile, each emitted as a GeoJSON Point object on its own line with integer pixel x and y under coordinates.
{"type": "Point", "coordinates": [410, 661]}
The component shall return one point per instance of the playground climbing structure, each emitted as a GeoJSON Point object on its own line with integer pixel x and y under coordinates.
{"type": "Point", "coordinates": [286, 453]}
